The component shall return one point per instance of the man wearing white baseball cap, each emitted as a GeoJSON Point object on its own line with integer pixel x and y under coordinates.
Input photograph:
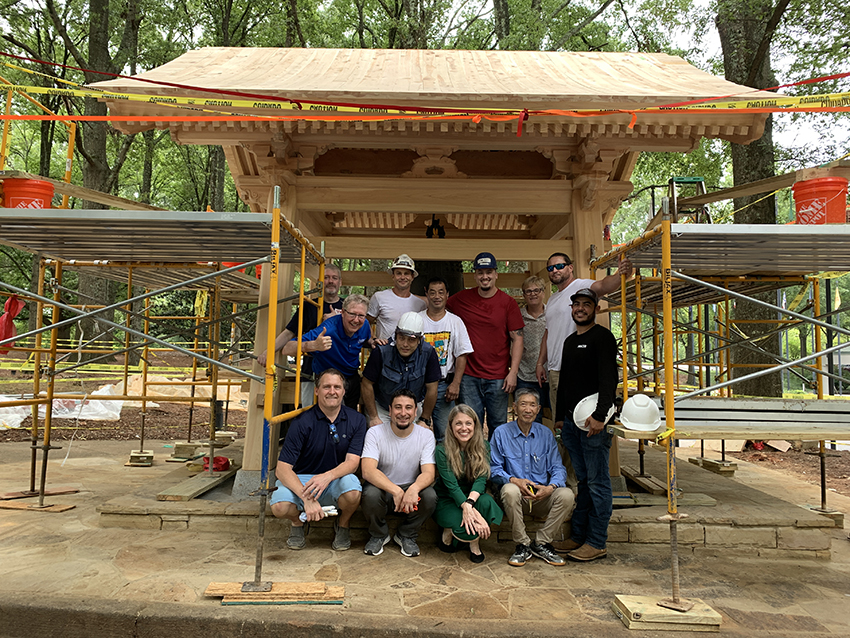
{"type": "Point", "coordinates": [387, 306]}
{"type": "Point", "coordinates": [410, 363]}
{"type": "Point", "coordinates": [588, 366]}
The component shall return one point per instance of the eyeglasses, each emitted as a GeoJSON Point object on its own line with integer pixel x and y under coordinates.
{"type": "Point", "coordinates": [355, 315]}
{"type": "Point", "coordinates": [334, 433]}
{"type": "Point", "coordinates": [532, 291]}
{"type": "Point", "coordinates": [560, 266]}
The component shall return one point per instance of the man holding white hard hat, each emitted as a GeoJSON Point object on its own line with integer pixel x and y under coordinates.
{"type": "Point", "coordinates": [588, 367]}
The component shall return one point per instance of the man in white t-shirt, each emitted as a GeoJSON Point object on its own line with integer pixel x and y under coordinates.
{"type": "Point", "coordinates": [447, 333]}
{"type": "Point", "coordinates": [398, 467]}
{"type": "Point", "coordinates": [559, 319]}
{"type": "Point", "coordinates": [387, 306]}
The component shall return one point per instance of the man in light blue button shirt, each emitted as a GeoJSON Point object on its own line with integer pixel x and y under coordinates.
{"type": "Point", "coordinates": [526, 467]}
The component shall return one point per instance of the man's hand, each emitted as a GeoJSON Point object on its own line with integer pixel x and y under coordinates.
{"type": "Point", "coordinates": [398, 497]}
{"type": "Point", "coordinates": [540, 372]}
{"type": "Point", "coordinates": [321, 343]}
{"type": "Point", "coordinates": [328, 315]}
{"type": "Point", "coordinates": [313, 510]}
{"type": "Point", "coordinates": [374, 341]}
{"type": "Point", "coordinates": [410, 501]}
{"type": "Point", "coordinates": [523, 484]}
{"type": "Point", "coordinates": [375, 420]}
{"type": "Point", "coordinates": [542, 491]}
{"type": "Point", "coordinates": [316, 486]}
{"type": "Point", "coordinates": [453, 391]}
{"type": "Point", "coordinates": [262, 359]}
{"type": "Point", "coordinates": [593, 426]}
{"type": "Point", "coordinates": [625, 267]}
{"type": "Point", "coordinates": [509, 384]}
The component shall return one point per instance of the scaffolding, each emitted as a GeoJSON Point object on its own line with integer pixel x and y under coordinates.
{"type": "Point", "coordinates": [702, 265]}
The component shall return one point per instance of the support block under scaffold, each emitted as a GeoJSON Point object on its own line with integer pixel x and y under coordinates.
{"type": "Point", "coordinates": [142, 458]}
{"type": "Point", "coordinates": [724, 468]}
{"type": "Point", "coordinates": [643, 612]}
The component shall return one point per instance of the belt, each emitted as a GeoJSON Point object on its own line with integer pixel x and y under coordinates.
{"type": "Point", "coordinates": [449, 378]}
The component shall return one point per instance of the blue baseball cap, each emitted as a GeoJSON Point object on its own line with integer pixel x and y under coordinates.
{"type": "Point", "coordinates": [484, 260]}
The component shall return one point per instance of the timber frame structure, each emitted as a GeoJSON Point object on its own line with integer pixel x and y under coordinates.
{"type": "Point", "coordinates": [366, 187]}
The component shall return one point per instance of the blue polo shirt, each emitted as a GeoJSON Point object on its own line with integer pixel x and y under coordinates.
{"type": "Point", "coordinates": [310, 447]}
{"type": "Point", "coordinates": [534, 457]}
{"type": "Point", "coordinates": [344, 353]}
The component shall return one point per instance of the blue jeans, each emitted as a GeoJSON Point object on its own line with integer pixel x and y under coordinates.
{"type": "Point", "coordinates": [486, 398]}
{"type": "Point", "coordinates": [441, 411]}
{"type": "Point", "coordinates": [589, 456]}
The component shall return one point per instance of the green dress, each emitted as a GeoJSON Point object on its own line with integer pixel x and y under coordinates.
{"type": "Point", "coordinates": [453, 491]}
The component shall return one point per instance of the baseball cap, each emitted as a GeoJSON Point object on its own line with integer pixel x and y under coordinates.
{"type": "Point", "coordinates": [411, 324]}
{"type": "Point", "coordinates": [484, 260]}
{"type": "Point", "coordinates": [586, 292]}
{"type": "Point", "coordinates": [403, 261]}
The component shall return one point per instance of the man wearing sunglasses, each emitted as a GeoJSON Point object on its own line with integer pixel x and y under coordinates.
{"type": "Point", "coordinates": [559, 319]}
{"type": "Point", "coordinates": [317, 462]}
{"type": "Point", "coordinates": [337, 343]}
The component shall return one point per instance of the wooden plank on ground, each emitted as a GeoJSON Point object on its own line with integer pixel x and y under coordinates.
{"type": "Point", "coordinates": [56, 491]}
{"type": "Point", "coordinates": [647, 483]}
{"type": "Point", "coordinates": [53, 507]}
{"type": "Point", "coordinates": [310, 593]}
{"type": "Point", "coordinates": [332, 594]}
{"type": "Point", "coordinates": [723, 468]}
{"type": "Point", "coordinates": [643, 612]}
{"type": "Point", "coordinates": [313, 588]}
{"type": "Point", "coordinates": [195, 486]}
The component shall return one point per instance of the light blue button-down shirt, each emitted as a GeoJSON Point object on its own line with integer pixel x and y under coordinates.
{"type": "Point", "coordinates": [534, 457]}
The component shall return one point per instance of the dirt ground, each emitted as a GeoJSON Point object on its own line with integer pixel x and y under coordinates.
{"type": "Point", "coordinates": [804, 464]}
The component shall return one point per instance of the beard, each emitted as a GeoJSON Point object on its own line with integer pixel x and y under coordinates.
{"type": "Point", "coordinates": [590, 319]}
{"type": "Point", "coordinates": [403, 427]}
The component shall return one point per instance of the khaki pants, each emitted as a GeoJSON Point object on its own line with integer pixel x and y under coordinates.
{"type": "Point", "coordinates": [556, 508]}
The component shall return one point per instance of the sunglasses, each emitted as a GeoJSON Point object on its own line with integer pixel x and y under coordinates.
{"type": "Point", "coordinates": [334, 433]}
{"type": "Point", "coordinates": [554, 267]}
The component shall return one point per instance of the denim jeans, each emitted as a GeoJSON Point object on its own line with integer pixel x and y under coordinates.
{"type": "Point", "coordinates": [441, 411]}
{"type": "Point", "coordinates": [486, 397]}
{"type": "Point", "coordinates": [589, 456]}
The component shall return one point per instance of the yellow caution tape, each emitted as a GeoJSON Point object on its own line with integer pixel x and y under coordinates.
{"type": "Point", "coordinates": [829, 100]}
{"type": "Point", "coordinates": [666, 434]}
{"type": "Point", "coordinates": [800, 296]}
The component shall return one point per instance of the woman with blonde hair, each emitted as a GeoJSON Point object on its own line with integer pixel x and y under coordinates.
{"type": "Point", "coordinates": [464, 510]}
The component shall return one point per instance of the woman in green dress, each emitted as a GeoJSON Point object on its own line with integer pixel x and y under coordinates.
{"type": "Point", "coordinates": [464, 510]}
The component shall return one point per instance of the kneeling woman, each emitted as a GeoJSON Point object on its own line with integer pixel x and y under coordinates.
{"type": "Point", "coordinates": [464, 510]}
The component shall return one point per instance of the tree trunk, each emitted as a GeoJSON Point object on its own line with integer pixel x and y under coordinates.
{"type": "Point", "coordinates": [743, 26]}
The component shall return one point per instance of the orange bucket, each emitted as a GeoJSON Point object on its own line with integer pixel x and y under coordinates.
{"type": "Point", "coordinates": [27, 193]}
{"type": "Point", "coordinates": [821, 201]}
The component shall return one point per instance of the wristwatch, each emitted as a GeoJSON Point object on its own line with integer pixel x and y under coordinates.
{"type": "Point", "coordinates": [428, 421]}
{"type": "Point", "coordinates": [470, 501]}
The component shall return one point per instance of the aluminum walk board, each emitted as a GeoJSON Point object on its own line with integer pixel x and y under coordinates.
{"type": "Point", "coordinates": [144, 236]}
{"type": "Point", "coordinates": [747, 249]}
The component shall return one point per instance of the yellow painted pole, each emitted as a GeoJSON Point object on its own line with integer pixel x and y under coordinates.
{"type": "Point", "coordinates": [669, 368]}
{"type": "Point", "coordinates": [624, 336]}
{"type": "Point", "coordinates": [36, 373]}
{"type": "Point", "coordinates": [298, 344]}
{"type": "Point", "coordinates": [6, 124]}
{"type": "Point", "coordinates": [639, 334]}
{"type": "Point", "coordinates": [274, 273]}
{"type": "Point", "coordinates": [51, 386]}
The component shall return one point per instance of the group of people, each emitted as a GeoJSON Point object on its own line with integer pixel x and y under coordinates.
{"type": "Point", "coordinates": [434, 432]}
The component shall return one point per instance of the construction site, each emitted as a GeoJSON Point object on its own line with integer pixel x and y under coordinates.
{"type": "Point", "coordinates": [153, 537]}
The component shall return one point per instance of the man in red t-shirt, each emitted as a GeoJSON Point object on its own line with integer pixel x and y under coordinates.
{"type": "Point", "coordinates": [495, 325]}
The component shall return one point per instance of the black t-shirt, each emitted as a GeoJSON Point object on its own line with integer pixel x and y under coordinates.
{"type": "Point", "coordinates": [588, 365]}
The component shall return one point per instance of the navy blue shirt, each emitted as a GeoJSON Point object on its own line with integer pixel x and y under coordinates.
{"type": "Point", "coordinates": [310, 447]}
{"type": "Point", "coordinates": [344, 354]}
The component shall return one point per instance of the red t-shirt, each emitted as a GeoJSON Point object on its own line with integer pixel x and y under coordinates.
{"type": "Point", "coordinates": [489, 322]}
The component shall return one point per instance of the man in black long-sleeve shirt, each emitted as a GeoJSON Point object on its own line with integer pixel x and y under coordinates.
{"type": "Point", "coordinates": [588, 366]}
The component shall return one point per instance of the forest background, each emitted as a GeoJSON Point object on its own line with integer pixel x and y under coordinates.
{"type": "Point", "coordinates": [757, 43]}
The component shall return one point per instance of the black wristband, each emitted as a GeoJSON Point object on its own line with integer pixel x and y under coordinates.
{"type": "Point", "coordinates": [470, 501]}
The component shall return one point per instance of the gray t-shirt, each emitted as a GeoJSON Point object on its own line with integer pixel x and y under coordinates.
{"type": "Point", "coordinates": [400, 459]}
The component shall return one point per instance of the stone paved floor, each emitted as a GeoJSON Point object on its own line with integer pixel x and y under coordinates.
{"type": "Point", "coordinates": [65, 566]}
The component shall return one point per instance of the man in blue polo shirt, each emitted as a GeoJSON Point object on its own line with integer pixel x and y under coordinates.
{"type": "Point", "coordinates": [337, 342]}
{"type": "Point", "coordinates": [317, 463]}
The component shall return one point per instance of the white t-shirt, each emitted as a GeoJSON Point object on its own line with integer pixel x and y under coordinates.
{"type": "Point", "coordinates": [399, 458]}
{"type": "Point", "coordinates": [449, 338]}
{"type": "Point", "coordinates": [387, 308]}
{"type": "Point", "coordinates": [559, 320]}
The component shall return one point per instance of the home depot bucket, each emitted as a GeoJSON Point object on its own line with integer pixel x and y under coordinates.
{"type": "Point", "coordinates": [821, 201]}
{"type": "Point", "coordinates": [27, 193]}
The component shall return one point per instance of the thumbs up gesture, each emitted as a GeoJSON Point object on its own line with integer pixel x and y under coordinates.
{"type": "Point", "coordinates": [322, 342]}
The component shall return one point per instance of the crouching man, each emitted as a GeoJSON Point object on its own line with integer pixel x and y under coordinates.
{"type": "Point", "coordinates": [399, 469]}
{"type": "Point", "coordinates": [317, 463]}
{"type": "Point", "coordinates": [526, 466]}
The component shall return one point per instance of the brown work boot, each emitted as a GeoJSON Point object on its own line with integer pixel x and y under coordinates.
{"type": "Point", "coordinates": [568, 545]}
{"type": "Point", "coordinates": [587, 553]}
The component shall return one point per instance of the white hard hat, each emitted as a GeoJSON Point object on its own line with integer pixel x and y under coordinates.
{"type": "Point", "coordinates": [403, 261]}
{"type": "Point", "coordinates": [640, 413]}
{"type": "Point", "coordinates": [411, 324]}
{"type": "Point", "coordinates": [585, 408]}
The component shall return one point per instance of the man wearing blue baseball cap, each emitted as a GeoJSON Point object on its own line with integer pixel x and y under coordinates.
{"type": "Point", "coordinates": [494, 324]}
